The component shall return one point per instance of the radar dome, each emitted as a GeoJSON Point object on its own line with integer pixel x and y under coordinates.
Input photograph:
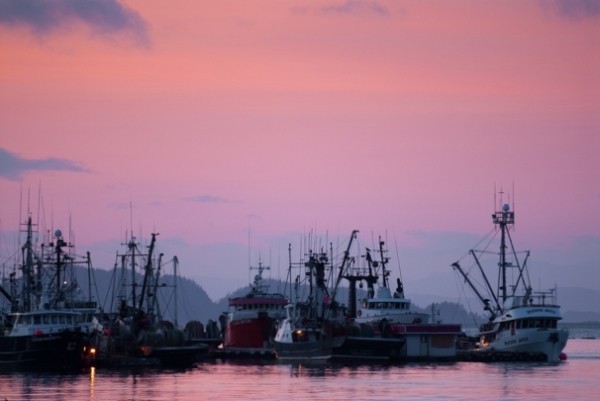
{"type": "Point", "coordinates": [506, 207]}
{"type": "Point", "coordinates": [58, 233]}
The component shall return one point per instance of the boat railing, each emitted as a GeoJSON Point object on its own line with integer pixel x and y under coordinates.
{"type": "Point", "coordinates": [536, 299]}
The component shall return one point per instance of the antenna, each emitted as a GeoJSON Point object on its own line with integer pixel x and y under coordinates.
{"type": "Point", "coordinates": [513, 201]}
{"type": "Point", "coordinates": [249, 252]}
{"type": "Point", "coordinates": [131, 217]}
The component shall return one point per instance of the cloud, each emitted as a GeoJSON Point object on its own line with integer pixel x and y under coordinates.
{"type": "Point", "coordinates": [104, 17]}
{"type": "Point", "coordinates": [353, 7]}
{"type": "Point", "coordinates": [573, 9]}
{"type": "Point", "coordinates": [13, 167]}
{"type": "Point", "coordinates": [208, 199]}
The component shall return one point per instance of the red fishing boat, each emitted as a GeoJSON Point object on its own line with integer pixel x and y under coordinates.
{"type": "Point", "coordinates": [251, 321]}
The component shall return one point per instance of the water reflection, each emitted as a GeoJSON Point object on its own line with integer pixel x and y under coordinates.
{"type": "Point", "coordinates": [574, 379]}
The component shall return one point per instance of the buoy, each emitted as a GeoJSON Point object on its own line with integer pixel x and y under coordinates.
{"type": "Point", "coordinates": [562, 356]}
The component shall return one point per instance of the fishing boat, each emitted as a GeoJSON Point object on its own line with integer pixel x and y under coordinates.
{"type": "Point", "coordinates": [386, 327]}
{"type": "Point", "coordinates": [522, 323]}
{"type": "Point", "coordinates": [252, 319]}
{"type": "Point", "coordinates": [47, 326]}
{"type": "Point", "coordinates": [55, 339]}
{"type": "Point", "coordinates": [381, 305]}
{"type": "Point", "coordinates": [136, 334]}
{"type": "Point", "coordinates": [305, 332]}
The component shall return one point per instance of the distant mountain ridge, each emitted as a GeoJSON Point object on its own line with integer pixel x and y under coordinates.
{"type": "Point", "coordinates": [193, 303]}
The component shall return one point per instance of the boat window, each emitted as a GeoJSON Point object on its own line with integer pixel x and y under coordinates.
{"type": "Point", "coordinates": [62, 319]}
{"type": "Point", "coordinates": [46, 319]}
{"type": "Point", "coordinates": [54, 319]}
{"type": "Point", "coordinates": [37, 320]}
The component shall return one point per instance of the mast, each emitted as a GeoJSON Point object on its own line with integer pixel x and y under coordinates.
{"type": "Point", "coordinates": [344, 261]}
{"type": "Point", "coordinates": [89, 271]}
{"type": "Point", "coordinates": [503, 219]}
{"type": "Point", "coordinates": [28, 266]}
{"type": "Point", "coordinates": [131, 246]}
{"type": "Point", "coordinates": [147, 270]}
{"type": "Point", "coordinates": [59, 244]}
{"type": "Point", "coordinates": [175, 263]}
{"type": "Point", "coordinates": [257, 283]}
{"type": "Point", "coordinates": [384, 260]}
{"type": "Point", "coordinates": [154, 307]}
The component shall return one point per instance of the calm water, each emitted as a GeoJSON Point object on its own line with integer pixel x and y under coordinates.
{"type": "Point", "coordinates": [576, 379]}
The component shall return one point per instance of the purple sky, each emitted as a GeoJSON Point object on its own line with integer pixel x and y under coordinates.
{"type": "Point", "coordinates": [216, 119]}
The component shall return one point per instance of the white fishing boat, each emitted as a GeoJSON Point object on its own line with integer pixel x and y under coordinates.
{"type": "Point", "coordinates": [521, 322]}
{"type": "Point", "coordinates": [304, 333]}
{"type": "Point", "coordinates": [381, 305]}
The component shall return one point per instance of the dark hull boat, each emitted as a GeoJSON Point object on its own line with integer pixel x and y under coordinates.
{"type": "Point", "coordinates": [136, 335]}
{"type": "Point", "coordinates": [59, 351]}
{"type": "Point", "coordinates": [364, 348]}
{"type": "Point", "coordinates": [386, 328]}
{"type": "Point", "coordinates": [46, 328]}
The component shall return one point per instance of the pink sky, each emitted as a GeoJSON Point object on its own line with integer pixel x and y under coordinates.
{"type": "Point", "coordinates": [288, 116]}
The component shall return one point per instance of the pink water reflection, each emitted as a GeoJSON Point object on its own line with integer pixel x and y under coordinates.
{"type": "Point", "coordinates": [575, 379]}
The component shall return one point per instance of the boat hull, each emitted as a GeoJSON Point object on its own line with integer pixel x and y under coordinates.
{"type": "Point", "coordinates": [66, 350]}
{"type": "Point", "coordinates": [251, 333]}
{"type": "Point", "coordinates": [179, 356]}
{"type": "Point", "coordinates": [301, 351]}
{"type": "Point", "coordinates": [549, 342]}
{"type": "Point", "coordinates": [359, 349]}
